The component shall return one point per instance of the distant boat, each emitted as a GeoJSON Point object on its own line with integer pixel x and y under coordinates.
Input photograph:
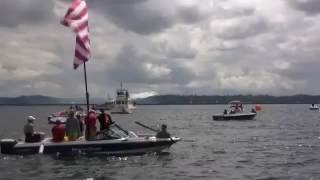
{"type": "Point", "coordinates": [313, 107]}
{"type": "Point", "coordinates": [62, 116]}
{"type": "Point", "coordinates": [122, 104]}
{"type": "Point", "coordinates": [236, 113]}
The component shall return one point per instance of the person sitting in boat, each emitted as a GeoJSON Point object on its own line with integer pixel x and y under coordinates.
{"type": "Point", "coordinates": [78, 108]}
{"type": "Point", "coordinates": [58, 132]}
{"type": "Point", "coordinates": [93, 107]}
{"type": "Point", "coordinates": [163, 133]}
{"type": "Point", "coordinates": [104, 120]}
{"type": "Point", "coordinates": [253, 110]}
{"type": "Point", "coordinates": [72, 127]}
{"type": "Point", "coordinates": [238, 109]}
{"type": "Point", "coordinates": [29, 132]}
{"type": "Point", "coordinates": [225, 112]}
{"type": "Point", "coordinates": [91, 128]}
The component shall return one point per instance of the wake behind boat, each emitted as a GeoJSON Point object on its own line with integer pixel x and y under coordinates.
{"type": "Point", "coordinates": [236, 113]}
{"type": "Point", "coordinates": [115, 142]}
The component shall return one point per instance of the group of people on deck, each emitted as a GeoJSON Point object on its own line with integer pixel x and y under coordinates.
{"type": "Point", "coordinates": [72, 129]}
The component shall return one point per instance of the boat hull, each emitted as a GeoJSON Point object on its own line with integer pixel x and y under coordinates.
{"type": "Point", "coordinates": [121, 110]}
{"type": "Point", "coordinates": [237, 116]}
{"type": "Point", "coordinates": [118, 147]}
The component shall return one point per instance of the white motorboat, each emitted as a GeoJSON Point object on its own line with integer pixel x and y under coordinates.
{"type": "Point", "coordinates": [122, 104]}
{"type": "Point", "coordinates": [314, 107]}
{"type": "Point", "coordinates": [236, 113]}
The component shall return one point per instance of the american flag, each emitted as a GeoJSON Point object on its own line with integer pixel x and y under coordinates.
{"type": "Point", "coordinates": [77, 19]}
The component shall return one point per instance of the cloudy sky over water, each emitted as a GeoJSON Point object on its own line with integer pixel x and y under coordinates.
{"type": "Point", "coordinates": [163, 47]}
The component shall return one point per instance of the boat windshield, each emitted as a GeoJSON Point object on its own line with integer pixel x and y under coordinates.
{"type": "Point", "coordinates": [116, 130]}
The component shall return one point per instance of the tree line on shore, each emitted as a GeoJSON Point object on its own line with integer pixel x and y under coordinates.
{"type": "Point", "coordinates": [220, 99]}
{"type": "Point", "coordinates": [169, 99]}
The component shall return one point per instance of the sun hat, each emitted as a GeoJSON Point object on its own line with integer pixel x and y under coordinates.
{"type": "Point", "coordinates": [31, 118]}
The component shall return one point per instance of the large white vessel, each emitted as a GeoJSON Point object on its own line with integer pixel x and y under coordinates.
{"type": "Point", "coordinates": [122, 104]}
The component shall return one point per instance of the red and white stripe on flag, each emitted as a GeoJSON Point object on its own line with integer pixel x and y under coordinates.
{"type": "Point", "coordinates": [77, 19]}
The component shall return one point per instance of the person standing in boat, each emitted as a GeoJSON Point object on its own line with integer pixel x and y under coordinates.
{"type": "Point", "coordinates": [58, 132]}
{"type": "Point", "coordinates": [72, 127]}
{"type": "Point", "coordinates": [91, 128]}
{"type": "Point", "coordinates": [104, 120]}
{"type": "Point", "coordinates": [78, 117]}
{"type": "Point", "coordinates": [29, 132]}
{"type": "Point", "coordinates": [163, 133]}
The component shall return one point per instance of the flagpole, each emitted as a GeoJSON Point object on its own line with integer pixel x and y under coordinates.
{"type": "Point", "coordinates": [85, 80]}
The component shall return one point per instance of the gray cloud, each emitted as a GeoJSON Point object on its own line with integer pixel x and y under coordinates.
{"type": "Point", "coordinates": [132, 67]}
{"type": "Point", "coordinates": [164, 46]}
{"type": "Point", "coordinates": [310, 7]}
{"type": "Point", "coordinates": [148, 16]}
{"type": "Point", "coordinates": [13, 13]}
{"type": "Point", "coordinates": [191, 14]}
{"type": "Point", "coordinates": [135, 16]}
{"type": "Point", "coordinates": [238, 28]}
{"type": "Point", "coordinates": [297, 71]}
{"type": "Point", "coordinates": [180, 49]}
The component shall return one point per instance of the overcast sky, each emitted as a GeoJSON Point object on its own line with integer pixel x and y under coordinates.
{"type": "Point", "coordinates": [163, 47]}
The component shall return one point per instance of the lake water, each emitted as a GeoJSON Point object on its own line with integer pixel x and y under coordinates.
{"type": "Point", "coordinates": [283, 143]}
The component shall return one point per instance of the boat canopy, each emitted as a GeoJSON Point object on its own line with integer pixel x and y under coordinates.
{"type": "Point", "coordinates": [235, 102]}
{"type": "Point", "coordinates": [236, 106]}
{"type": "Point", "coordinates": [122, 93]}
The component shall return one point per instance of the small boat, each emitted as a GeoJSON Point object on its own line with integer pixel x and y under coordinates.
{"type": "Point", "coordinates": [313, 107]}
{"type": "Point", "coordinates": [236, 113]}
{"type": "Point", "coordinates": [117, 142]}
{"type": "Point", "coordinates": [62, 116]}
{"type": "Point", "coordinates": [121, 105]}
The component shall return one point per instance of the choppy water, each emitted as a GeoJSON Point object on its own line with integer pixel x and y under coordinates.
{"type": "Point", "coordinates": [283, 143]}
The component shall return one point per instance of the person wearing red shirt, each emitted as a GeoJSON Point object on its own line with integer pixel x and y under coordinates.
{"type": "Point", "coordinates": [91, 128]}
{"type": "Point", "coordinates": [58, 132]}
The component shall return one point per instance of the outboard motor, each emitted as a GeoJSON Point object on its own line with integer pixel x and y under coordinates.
{"type": "Point", "coordinates": [7, 146]}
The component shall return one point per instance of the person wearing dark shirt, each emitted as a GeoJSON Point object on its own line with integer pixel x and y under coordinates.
{"type": "Point", "coordinates": [58, 132]}
{"type": "Point", "coordinates": [163, 133]}
{"type": "Point", "coordinates": [104, 120]}
{"type": "Point", "coordinates": [78, 117]}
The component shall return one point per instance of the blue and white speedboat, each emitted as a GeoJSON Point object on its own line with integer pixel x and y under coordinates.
{"type": "Point", "coordinates": [117, 142]}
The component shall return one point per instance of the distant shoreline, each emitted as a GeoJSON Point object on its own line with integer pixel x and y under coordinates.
{"type": "Point", "coordinates": [140, 104]}
{"type": "Point", "coordinates": [38, 100]}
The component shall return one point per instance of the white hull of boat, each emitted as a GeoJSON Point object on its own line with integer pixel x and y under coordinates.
{"type": "Point", "coordinates": [121, 109]}
{"type": "Point", "coordinates": [117, 147]}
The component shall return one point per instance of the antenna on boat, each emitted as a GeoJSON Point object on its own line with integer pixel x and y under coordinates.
{"type": "Point", "coordinates": [85, 80]}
